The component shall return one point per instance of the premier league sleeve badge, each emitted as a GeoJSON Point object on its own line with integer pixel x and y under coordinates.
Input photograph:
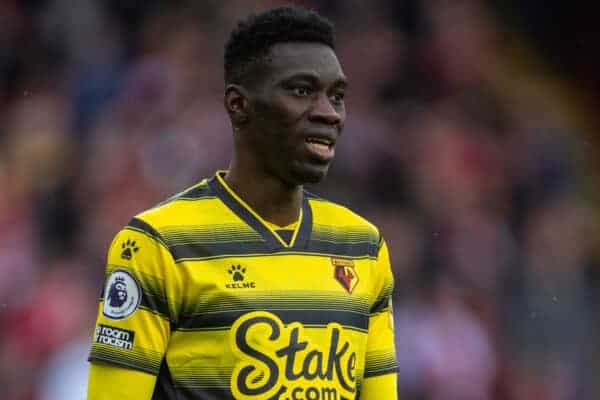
{"type": "Point", "coordinates": [122, 295]}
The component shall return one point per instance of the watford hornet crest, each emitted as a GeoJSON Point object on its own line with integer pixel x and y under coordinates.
{"type": "Point", "coordinates": [345, 273]}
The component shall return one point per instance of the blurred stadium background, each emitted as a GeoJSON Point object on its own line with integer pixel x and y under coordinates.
{"type": "Point", "coordinates": [471, 142]}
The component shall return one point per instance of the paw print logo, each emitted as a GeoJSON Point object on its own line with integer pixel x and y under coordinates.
{"type": "Point", "coordinates": [129, 247]}
{"type": "Point", "coordinates": [238, 272]}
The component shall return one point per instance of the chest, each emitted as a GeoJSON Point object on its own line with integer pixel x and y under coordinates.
{"type": "Point", "coordinates": [313, 290]}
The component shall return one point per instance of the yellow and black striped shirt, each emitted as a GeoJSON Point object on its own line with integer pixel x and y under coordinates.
{"type": "Point", "coordinates": [202, 293]}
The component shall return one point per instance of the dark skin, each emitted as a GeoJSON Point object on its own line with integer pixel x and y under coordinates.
{"type": "Point", "coordinates": [286, 120]}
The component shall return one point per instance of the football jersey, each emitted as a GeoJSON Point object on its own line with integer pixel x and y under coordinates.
{"type": "Point", "coordinates": [202, 293]}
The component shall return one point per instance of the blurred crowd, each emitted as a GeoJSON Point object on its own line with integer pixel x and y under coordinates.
{"type": "Point", "coordinates": [471, 159]}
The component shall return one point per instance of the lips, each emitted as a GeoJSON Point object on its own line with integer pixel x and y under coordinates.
{"type": "Point", "coordinates": [319, 140]}
{"type": "Point", "coordinates": [320, 147]}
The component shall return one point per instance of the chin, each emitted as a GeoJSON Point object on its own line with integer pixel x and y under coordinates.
{"type": "Point", "coordinates": [309, 174]}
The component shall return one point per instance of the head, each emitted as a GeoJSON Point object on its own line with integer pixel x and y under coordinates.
{"type": "Point", "coordinates": [117, 294]}
{"type": "Point", "coordinates": [284, 94]}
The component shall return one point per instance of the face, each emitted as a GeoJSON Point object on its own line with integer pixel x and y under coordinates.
{"type": "Point", "coordinates": [121, 291]}
{"type": "Point", "coordinates": [296, 112]}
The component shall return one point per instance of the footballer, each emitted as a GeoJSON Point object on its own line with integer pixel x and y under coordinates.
{"type": "Point", "coordinates": [246, 286]}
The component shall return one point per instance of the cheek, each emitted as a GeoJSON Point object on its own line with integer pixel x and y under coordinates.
{"type": "Point", "coordinates": [277, 132]}
{"type": "Point", "coordinates": [276, 127]}
{"type": "Point", "coordinates": [281, 112]}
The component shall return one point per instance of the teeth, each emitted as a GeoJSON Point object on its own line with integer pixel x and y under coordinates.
{"type": "Point", "coordinates": [319, 140]}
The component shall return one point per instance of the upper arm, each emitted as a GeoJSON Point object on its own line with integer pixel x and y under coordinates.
{"type": "Point", "coordinates": [380, 360]}
{"type": "Point", "coordinates": [134, 317]}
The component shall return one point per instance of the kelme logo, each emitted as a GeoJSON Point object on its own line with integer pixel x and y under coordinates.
{"type": "Point", "coordinates": [128, 248]}
{"type": "Point", "coordinates": [237, 274]}
{"type": "Point", "coordinates": [279, 361]}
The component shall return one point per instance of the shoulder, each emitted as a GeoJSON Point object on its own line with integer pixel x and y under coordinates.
{"type": "Point", "coordinates": [175, 207]}
{"type": "Point", "coordinates": [190, 207]}
{"type": "Point", "coordinates": [326, 212]}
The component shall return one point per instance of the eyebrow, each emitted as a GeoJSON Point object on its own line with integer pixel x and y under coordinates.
{"type": "Point", "coordinates": [311, 76]}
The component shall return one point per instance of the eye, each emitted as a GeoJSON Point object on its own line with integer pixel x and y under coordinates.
{"type": "Point", "coordinates": [302, 91]}
{"type": "Point", "coordinates": [337, 98]}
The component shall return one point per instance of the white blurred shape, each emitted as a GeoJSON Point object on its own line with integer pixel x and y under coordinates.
{"type": "Point", "coordinates": [66, 374]}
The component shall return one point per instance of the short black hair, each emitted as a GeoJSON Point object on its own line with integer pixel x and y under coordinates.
{"type": "Point", "coordinates": [254, 36]}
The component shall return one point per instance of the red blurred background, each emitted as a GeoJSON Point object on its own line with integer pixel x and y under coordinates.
{"type": "Point", "coordinates": [471, 142]}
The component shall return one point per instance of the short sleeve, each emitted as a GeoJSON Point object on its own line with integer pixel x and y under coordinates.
{"type": "Point", "coordinates": [380, 360]}
{"type": "Point", "coordinates": [134, 317]}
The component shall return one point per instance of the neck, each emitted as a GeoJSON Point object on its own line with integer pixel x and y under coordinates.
{"type": "Point", "coordinates": [268, 196]}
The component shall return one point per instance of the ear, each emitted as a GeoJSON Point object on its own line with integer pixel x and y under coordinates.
{"type": "Point", "coordinates": [236, 104]}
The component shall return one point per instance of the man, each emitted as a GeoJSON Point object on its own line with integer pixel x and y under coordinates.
{"type": "Point", "coordinates": [245, 286]}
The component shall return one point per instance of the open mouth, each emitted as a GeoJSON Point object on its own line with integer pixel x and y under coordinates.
{"type": "Point", "coordinates": [320, 148]}
{"type": "Point", "coordinates": [320, 141]}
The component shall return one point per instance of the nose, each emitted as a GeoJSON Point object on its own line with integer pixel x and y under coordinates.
{"type": "Point", "coordinates": [325, 112]}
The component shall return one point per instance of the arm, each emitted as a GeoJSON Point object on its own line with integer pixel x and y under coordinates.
{"type": "Point", "coordinates": [107, 382]}
{"type": "Point", "coordinates": [380, 364]}
{"type": "Point", "coordinates": [133, 325]}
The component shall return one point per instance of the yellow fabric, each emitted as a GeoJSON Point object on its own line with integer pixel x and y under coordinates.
{"type": "Point", "coordinates": [379, 387]}
{"type": "Point", "coordinates": [269, 225]}
{"type": "Point", "coordinates": [107, 382]}
{"type": "Point", "coordinates": [289, 227]}
{"type": "Point", "coordinates": [293, 227]}
{"type": "Point", "coordinates": [230, 312]}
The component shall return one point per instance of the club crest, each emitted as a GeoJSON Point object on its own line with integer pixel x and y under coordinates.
{"type": "Point", "coordinates": [345, 273]}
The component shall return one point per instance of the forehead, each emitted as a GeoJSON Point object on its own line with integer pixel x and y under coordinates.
{"type": "Point", "coordinates": [288, 59]}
